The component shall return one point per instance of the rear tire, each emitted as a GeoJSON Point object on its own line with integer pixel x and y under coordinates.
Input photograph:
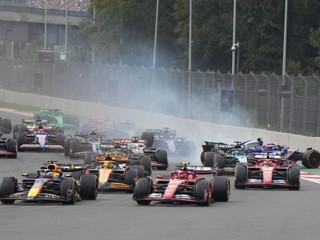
{"type": "Point", "coordinates": [12, 147]}
{"type": "Point", "coordinates": [162, 157]}
{"type": "Point", "coordinates": [208, 159]}
{"type": "Point", "coordinates": [74, 148]}
{"type": "Point", "coordinates": [311, 158]}
{"type": "Point", "coordinates": [142, 189]}
{"type": "Point", "coordinates": [87, 158]}
{"type": "Point", "coordinates": [8, 186]}
{"type": "Point", "coordinates": [67, 147]}
{"type": "Point", "coordinates": [21, 139]}
{"type": "Point", "coordinates": [148, 137]}
{"type": "Point", "coordinates": [220, 160]}
{"type": "Point", "coordinates": [89, 187]}
{"type": "Point", "coordinates": [145, 161]}
{"type": "Point", "coordinates": [221, 189]}
{"type": "Point", "coordinates": [130, 177]}
{"type": "Point", "coordinates": [6, 125]}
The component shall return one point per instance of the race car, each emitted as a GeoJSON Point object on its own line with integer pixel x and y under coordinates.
{"type": "Point", "coordinates": [167, 140]}
{"type": "Point", "coordinates": [5, 125]}
{"type": "Point", "coordinates": [267, 171]}
{"type": "Point", "coordinates": [120, 152]}
{"type": "Point", "coordinates": [8, 147]}
{"type": "Point", "coordinates": [55, 118]}
{"type": "Point", "coordinates": [49, 184]}
{"type": "Point", "coordinates": [77, 145]}
{"type": "Point", "coordinates": [40, 140]}
{"type": "Point", "coordinates": [182, 186]}
{"type": "Point", "coordinates": [226, 156]}
{"type": "Point", "coordinates": [114, 174]}
{"type": "Point", "coordinates": [109, 127]}
{"type": "Point", "coordinates": [138, 148]}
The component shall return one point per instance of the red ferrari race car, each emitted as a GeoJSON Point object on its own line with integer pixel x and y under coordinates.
{"type": "Point", "coordinates": [267, 172]}
{"type": "Point", "coordinates": [8, 147]}
{"type": "Point", "coordinates": [184, 186]}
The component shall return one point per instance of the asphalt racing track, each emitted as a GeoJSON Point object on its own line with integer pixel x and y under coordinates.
{"type": "Point", "coordinates": [250, 214]}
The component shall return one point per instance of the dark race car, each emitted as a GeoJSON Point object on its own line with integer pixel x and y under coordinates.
{"type": "Point", "coordinates": [267, 172]}
{"type": "Point", "coordinates": [182, 186]}
{"type": "Point", "coordinates": [226, 156]}
{"type": "Point", "coordinates": [80, 143]}
{"type": "Point", "coordinates": [8, 147]}
{"type": "Point", "coordinates": [167, 140]}
{"type": "Point", "coordinates": [49, 184]}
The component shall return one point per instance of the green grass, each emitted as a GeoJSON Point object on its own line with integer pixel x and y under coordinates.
{"type": "Point", "coordinates": [18, 107]}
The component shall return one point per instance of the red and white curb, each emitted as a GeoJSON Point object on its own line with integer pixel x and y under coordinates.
{"type": "Point", "coordinates": [310, 177]}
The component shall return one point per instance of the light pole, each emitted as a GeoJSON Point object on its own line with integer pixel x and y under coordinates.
{"type": "Point", "coordinates": [66, 32]}
{"type": "Point", "coordinates": [189, 63]}
{"type": "Point", "coordinates": [155, 37]}
{"type": "Point", "coordinates": [45, 26]}
{"type": "Point", "coordinates": [233, 48]}
{"type": "Point", "coordinates": [284, 60]}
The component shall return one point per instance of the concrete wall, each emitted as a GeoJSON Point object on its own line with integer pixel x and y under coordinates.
{"type": "Point", "coordinates": [196, 130]}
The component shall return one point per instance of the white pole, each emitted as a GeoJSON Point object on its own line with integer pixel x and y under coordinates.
{"type": "Point", "coordinates": [233, 48]}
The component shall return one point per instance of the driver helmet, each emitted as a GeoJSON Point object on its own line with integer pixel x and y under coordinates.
{"type": "Point", "coordinates": [48, 175]}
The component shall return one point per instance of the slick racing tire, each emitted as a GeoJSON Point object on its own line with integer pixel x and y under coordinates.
{"type": "Point", "coordinates": [162, 157]}
{"type": "Point", "coordinates": [12, 147]}
{"type": "Point", "coordinates": [67, 147]}
{"type": "Point", "coordinates": [311, 158]}
{"type": "Point", "coordinates": [208, 159]}
{"type": "Point", "coordinates": [19, 128]}
{"type": "Point", "coordinates": [68, 189]}
{"type": "Point", "coordinates": [8, 186]}
{"type": "Point", "coordinates": [145, 161]}
{"type": "Point", "coordinates": [294, 177]}
{"type": "Point", "coordinates": [240, 176]}
{"type": "Point", "coordinates": [21, 139]}
{"type": "Point", "coordinates": [202, 158]}
{"type": "Point", "coordinates": [6, 125]}
{"type": "Point", "coordinates": [87, 158]}
{"type": "Point", "coordinates": [130, 177]}
{"type": "Point", "coordinates": [221, 189]}
{"type": "Point", "coordinates": [140, 169]}
{"type": "Point", "coordinates": [89, 187]}
{"type": "Point", "coordinates": [148, 137]}
{"type": "Point", "coordinates": [202, 190]}
{"type": "Point", "coordinates": [61, 139]}
{"type": "Point", "coordinates": [219, 160]}
{"type": "Point", "coordinates": [143, 188]}
{"type": "Point", "coordinates": [74, 148]}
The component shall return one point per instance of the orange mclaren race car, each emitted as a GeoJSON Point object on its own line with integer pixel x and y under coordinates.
{"type": "Point", "coordinates": [115, 174]}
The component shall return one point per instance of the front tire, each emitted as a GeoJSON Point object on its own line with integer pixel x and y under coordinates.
{"type": "Point", "coordinates": [240, 176]}
{"type": "Point", "coordinates": [89, 187]}
{"type": "Point", "coordinates": [142, 189]}
{"type": "Point", "coordinates": [68, 189]}
{"type": "Point", "coordinates": [203, 192]}
{"type": "Point", "coordinates": [8, 186]}
{"type": "Point", "coordinates": [294, 177]}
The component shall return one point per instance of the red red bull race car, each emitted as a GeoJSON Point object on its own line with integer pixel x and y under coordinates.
{"type": "Point", "coordinates": [184, 185]}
